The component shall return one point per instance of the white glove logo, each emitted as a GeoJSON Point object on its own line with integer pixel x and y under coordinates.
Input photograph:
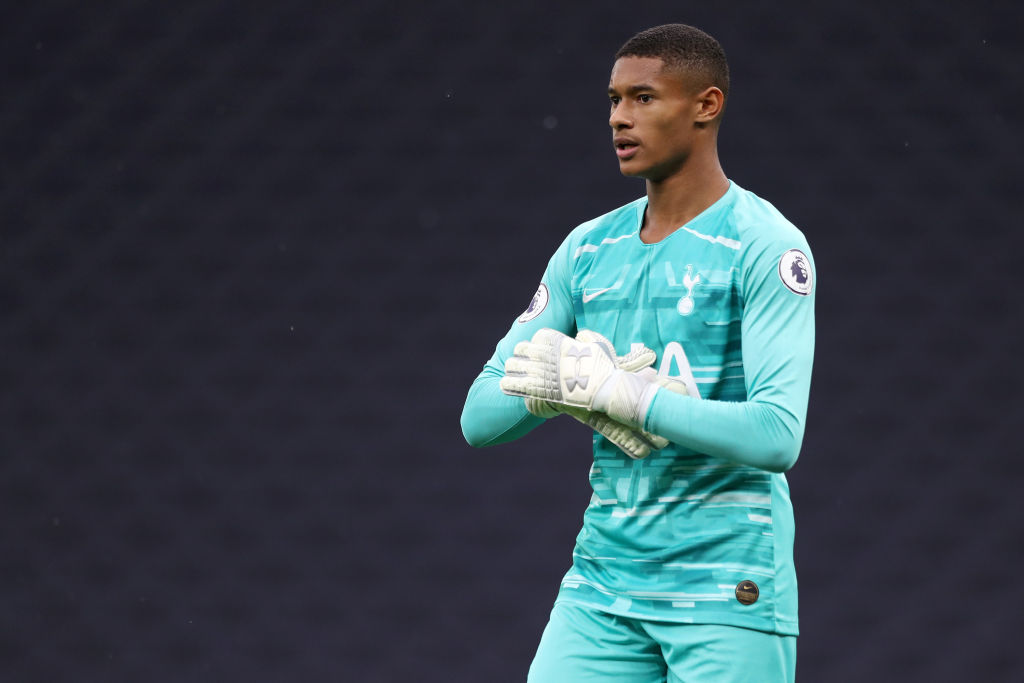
{"type": "Point", "coordinates": [577, 380]}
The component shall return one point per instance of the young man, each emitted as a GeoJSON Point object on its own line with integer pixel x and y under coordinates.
{"type": "Point", "coordinates": [683, 570]}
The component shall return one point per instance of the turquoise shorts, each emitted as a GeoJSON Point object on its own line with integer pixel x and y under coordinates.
{"type": "Point", "coordinates": [581, 644]}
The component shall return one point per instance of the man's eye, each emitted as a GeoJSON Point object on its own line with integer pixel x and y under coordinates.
{"type": "Point", "coordinates": [644, 98]}
{"type": "Point", "coordinates": [613, 100]}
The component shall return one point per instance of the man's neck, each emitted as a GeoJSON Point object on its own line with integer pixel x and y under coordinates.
{"type": "Point", "coordinates": [678, 199]}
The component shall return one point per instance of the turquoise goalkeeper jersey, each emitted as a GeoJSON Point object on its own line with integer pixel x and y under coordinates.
{"type": "Point", "coordinates": [701, 531]}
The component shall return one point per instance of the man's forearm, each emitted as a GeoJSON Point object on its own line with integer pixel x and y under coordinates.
{"type": "Point", "coordinates": [492, 417]}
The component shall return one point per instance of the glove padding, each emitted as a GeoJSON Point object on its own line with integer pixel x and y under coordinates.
{"type": "Point", "coordinates": [634, 443]}
{"type": "Point", "coordinates": [555, 367]}
{"type": "Point", "coordinates": [584, 378]}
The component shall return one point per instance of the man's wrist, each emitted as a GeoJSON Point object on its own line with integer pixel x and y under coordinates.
{"type": "Point", "coordinates": [626, 397]}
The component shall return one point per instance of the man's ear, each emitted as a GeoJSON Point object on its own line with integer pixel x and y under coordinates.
{"type": "Point", "coordinates": [710, 103]}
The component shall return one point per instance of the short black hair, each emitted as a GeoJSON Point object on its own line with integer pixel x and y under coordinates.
{"type": "Point", "coordinates": [685, 48]}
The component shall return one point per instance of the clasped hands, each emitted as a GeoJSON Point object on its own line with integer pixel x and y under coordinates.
{"type": "Point", "coordinates": [584, 378]}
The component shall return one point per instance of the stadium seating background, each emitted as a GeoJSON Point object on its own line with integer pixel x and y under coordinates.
{"type": "Point", "coordinates": [253, 254]}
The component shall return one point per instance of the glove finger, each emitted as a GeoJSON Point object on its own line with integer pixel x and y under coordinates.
{"type": "Point", "coordinates": [591, 337]}
{"type": "Point", "coordinates": [533, 378]}
{"type": "Point", "coordinates": [609, 429]}
{"type": "Point", "coordinates": [534, 351]}
{"type": "Point", "coordinates": [546, 336]}
{"type": "Point", "coordinates": [521, 366]}
{"type": "Point", "coordinates": [656, 442]}
{"type": "Point", "coordinates": [625, 439]}
{"type": "Point", "coordinates": [544, 409]}
{"type": "Point", "coordinates": [530, 385]}
{"type": "Point", "coordinates": [637, 359]}
{"type": "Point", "coordinates": [520, 386]}
{"type": "Point", "coordinates": [586, 335]}
{"type": "Point", "coordinates": [581, 414]}
{"type": "Point", "coordinates": [676, 385]}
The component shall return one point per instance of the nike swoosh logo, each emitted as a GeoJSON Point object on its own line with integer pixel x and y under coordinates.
{"type": "Point", "coordinates": [593, 295]}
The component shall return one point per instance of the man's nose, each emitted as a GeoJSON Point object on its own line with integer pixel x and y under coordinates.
{"type": "Point", "coordinates": [620, 118]}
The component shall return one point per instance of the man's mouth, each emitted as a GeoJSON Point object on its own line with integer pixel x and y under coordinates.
{"type": "Point", "coordinates": [624, 149]}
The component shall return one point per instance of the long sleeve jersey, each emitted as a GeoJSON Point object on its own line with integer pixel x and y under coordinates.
{"type": "Point", "coordinates": [700, 531]}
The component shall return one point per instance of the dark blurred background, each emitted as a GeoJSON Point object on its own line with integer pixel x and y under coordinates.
{"type": "Point", "coordinates": [252, 255]}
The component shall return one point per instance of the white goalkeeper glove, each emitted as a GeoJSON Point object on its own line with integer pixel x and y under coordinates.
{"type": "Point", "coordinates": [579, 372]}
{"type": "Point", "coordinates": [634, 443]}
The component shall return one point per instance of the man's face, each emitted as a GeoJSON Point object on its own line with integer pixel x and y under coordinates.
{"type": "Point", "coordinates": [652, 122]}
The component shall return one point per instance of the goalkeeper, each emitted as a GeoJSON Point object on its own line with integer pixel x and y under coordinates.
{"type": "Point", "coordinates": [680, 327]}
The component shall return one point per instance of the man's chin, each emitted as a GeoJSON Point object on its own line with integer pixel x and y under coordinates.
{"type": "Point", "coordinates": [631, 170]}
